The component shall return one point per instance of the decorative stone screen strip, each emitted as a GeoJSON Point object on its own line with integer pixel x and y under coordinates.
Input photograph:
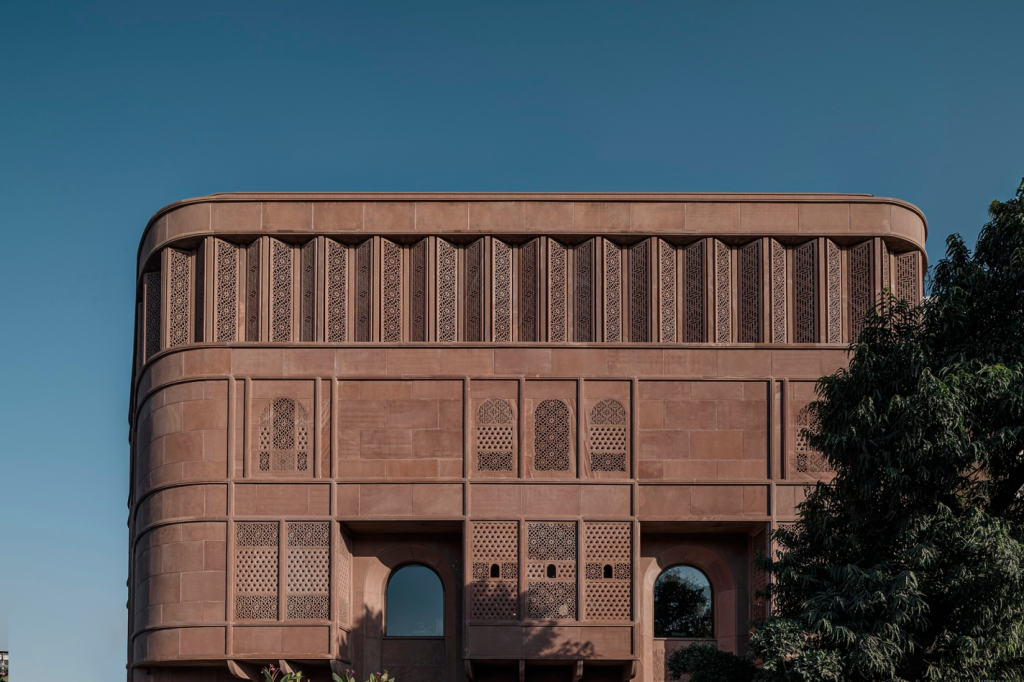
{"type": "Point", "coordinates": [152, 304]}
{"type": "Point", "coordinates": [805, 293]}
{"type": "Point", "coordinates": [807, 460]}
{"type": "Point", "coordinates": [308, 570]}
{"type": "Point", "coordinates": [860, 287]}
{"type": "Point", "coordinates": [253, 264]}
{"type": "Point", "coordinates": [474, 288]}
{"type": "Point", "coordinates": [778, 274]}
{"type": "Point", "coordinates": [200, 288]}
{"type": "Point", "coordinates": [834, 288]}
{"type": "Point", "coordinates": [557, 291]}
{"type": "Point", "coordinates": [907, 277]}
{"type": "Point", "coordinates": [494, 586]}
{"type": "Point", "coordinates": [551, 571]}
{"type": "Point", "coordinates": [280, 291]}
{"type": "Point", "coordinates": [640, 292]}
{"type": "Point", "coordinates": [418, 291]}
{"type": "Point", "coordinates": [495, 436]}
{"type": "Point", "coordinates": [337, 292]}
{"type": "Point", "coordinates": [758, 578]}
{"type": "Point", "coordinates": [344, 577]}
{"type": "Point", "coordinates": [256, 570]}
{"type": "Point", "coordinates": [307, 302]}
{"type": "Point", "coordinates": [284, 437]}
{"type": "Point", "coordinates": [612, 292]}
{"type": "Point", "coordinates": [552, 434]}
{"type": "Point", "coordinates": [886, 282]}
{"type": "Point", "coordinates": [226, 294]}
{"type": "Point", "coordinates": [529, 291]}
{"type": "Point", "coordinates": [608, 436]}
{"type": "Point", "coordinates": [447, 292]}
{"type": "Point", "coordinates": [750, 326]}
{"type": "Point", "coordinates": [694, 298]}
{"type": "Point", "coordinates": [363, 293]}
{"type": "Point", "coordinates": [391, 292]}
{"type": "Point", "coordinates": [585, 292]}
{"type": "Point", "coordinates": [609, 571]}
{"type": "Point", "coordinates": [501, 289]}
{"type": "Point", "coordinates": [178, 297]}
{"type": "Point", "coordinates": [667, 290]}
{"type": "Point", "coordinates": [723, 292]}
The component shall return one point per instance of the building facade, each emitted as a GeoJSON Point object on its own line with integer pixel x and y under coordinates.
{"type": "Point", "coordinates": [480, 437]}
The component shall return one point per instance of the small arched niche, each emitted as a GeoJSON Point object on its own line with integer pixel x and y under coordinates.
{"type": "Point", "coordinates": [414, 604]}
{"type": "Point", "coordinates": [683, 603]}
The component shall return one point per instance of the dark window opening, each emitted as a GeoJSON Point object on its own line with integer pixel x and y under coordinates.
{"type": "Point", "coordinates": [551, 571]}
{"type": "Point", "coordinates": [495, 571]}
{"type": "Point", "coordinates": [414, 603]}
{"type": "Point", "coordinates": [683, 604]}
{"type": "Point", "coordinates": [607, 571]}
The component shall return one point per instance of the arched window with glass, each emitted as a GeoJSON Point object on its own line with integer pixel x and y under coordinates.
{"type": "Point", "coordinates": [414, 604]}
{"type": "Point", "coordinates": [683, 604]}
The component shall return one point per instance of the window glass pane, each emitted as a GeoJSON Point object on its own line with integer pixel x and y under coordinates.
{"type": "Point", "coordinates": [682, 603]}
{"type": "Point", "coordinates": [415, 603]}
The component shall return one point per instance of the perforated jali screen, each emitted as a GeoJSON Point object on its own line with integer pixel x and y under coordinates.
{"type": "Point", "coordinates": [256, 570]}
{"type": "Point", "coordinates": [494, 588]}
{"type": "Point", "coordinates": [552, 431]}
{"type": "Point", "coordinates": [551, 570]}
{"type": "Point", "coordinates": [308, 570]}
{"type": "Point", "coordinates": [608, 436]}
{"type": "Point", "coordinates": [609, 574]}
{"type": "Point", "coordinates": [284, 437]}
{"type": "Point", "coordinates": [495, 435]}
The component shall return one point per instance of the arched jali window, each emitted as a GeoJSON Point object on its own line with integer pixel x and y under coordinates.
{"type": "Point", "coordinates": [683, 603]}
{"type": "Point", "coordinates": [284, 439]}
{"type": "Point", "coordinates": [495, 428]}
{"type": "Point", "coordinates": [414, 606]}
{"type": "Point", "coordinates": [551, 436]}
{"type": "Point", "coordinates": [608, 436]}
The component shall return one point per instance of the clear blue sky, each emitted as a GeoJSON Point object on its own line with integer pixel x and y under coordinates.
{"type": "Point", "coordinates": [110, 110]}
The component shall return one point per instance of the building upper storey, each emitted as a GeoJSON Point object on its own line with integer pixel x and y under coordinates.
{"type": "Point", "coordinates": [522, 268]}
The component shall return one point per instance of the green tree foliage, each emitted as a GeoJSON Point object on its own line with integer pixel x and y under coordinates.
{"type": "Point", "coordinates": [909, 564]}
{"type": "Point", "coordinates": [681, 608]}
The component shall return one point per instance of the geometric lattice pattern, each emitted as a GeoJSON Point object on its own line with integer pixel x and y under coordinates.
{"type": "Point", "coordinates": [584, 291]}
{"type": "Point", "coordinates": [640, 292]}
{"type": "Point", "coordinates": [834, 292]}
{"type": "Point", "coordinates": [551, 600]}
{"type": "Point", "coordinates": [151, 281]}
{"type": "Point", "coordinates": [886, 282]}
{"type": "Point", "coordinates": [551, 436]}
{"type": "Point", "coordinates": [808, 460]}
{"type": "Point", "coordinates": [284, 437]}
{"type": "Point", "coordinates": [667, 290]}
{"type": "Point", "coordinates": [557, 291]}
{"type": "Point", "coordinates": [612, 292]}
{"type": "Point", "coordinates": [252, 291]}
{"type": "Point", "coordinates": [418, 292]}
{"type": "Point", "coordinates": [281, 291]}
{"type": "Point", "coordinates": [608, 436]}
{"type": "Point", "coordinates": [859, 287]}
{"type": "Point", "coordinates": [391, 292]}
{"type": "Point", "coordinates": [199, 319]}
{"type": "Point", "coordinates": [551, 541]}
{"type": "Point", "coordinates": [609, 574]}
{"type": "Point", "coordinates": [502, 291]}
{"type": "Point", "coordinates": [750, 293]}
{"type": "Point", "coordinates": [495, 435]}
{"type": "Point", "coordinates": [474, 291]}
{"type": "Point", "coordinates": [723, 293]}
{"type": "Point", "coordinates": [494, 551]}
{"type": "Point", "coordinates": [337, 292]}
{"type": "Point", "coordinates": [778, 292]}
{"type": "Point", "coordinates": [178, 298]}
{"type": "Point", "coordinates": [344, 571]}
{"type": "Point", "coordinates": [256, 570]}
{"type": "Point", "coordinates": [906, 277]}
{"type": "Point", "coordinates": [805, 293]}
{"type": "Point", "coordinates": [307, 300]}
{"type": "Point", "coordinates": [308, 570]}
{"type": "Point", "coordinates": [694, 292]}
{"type": "Point", "coordinates": [447, 291]}
{"type": "Point", "coordinates": [551, 570]}
{"type": "Point", "coordinates": [529, 264]}
{"type": "Point", "coordinates": [226, 320]}
{"type": "Point", "coordinates": [363, 295]}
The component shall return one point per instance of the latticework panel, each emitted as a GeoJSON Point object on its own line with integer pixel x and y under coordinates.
{"type": "Point", "coordinates": [307, 286]}
{"type": "Point", "coordinates": [363, 293]}
{"type": "Point", "coordinates": [475, 291]}
{"type": "Point", "coordinates": [693, 280]}
{"type": "Point", "coordinates": [337, 292]}
{"type": "Point", "coordinates": [494, 590]}
{"type": "Point", "coordinates": [609, 574]}
{"type": "Point", "coordinates": [886, 282]}
{"type": "Point", "coordinates": [907, 277]}
{"type": "Point", "coordinates": [778, 273]}
{"type": "Point", "coordinates": [418, 291]}
{"type": "Point", "coordinates": [807, 459]}
{"type": "Point", "coordinates": [529, 291]}
{"type": "Point", "coordinates": [612, 292]}
{"type": "Point", "coordinates": [447, 292]}
{"type": "Point", "coordinates": [859, 287]}
{"type": "Point", "coordinates": [391, 292]}
{"type": "Point", "coordinates": [584, 282]}
{"type": "Point", "coordinates": [667, 290]}
{"type": "Point", "coordinates": [502, 291]}
{"type": "Point", "coordinates": [280, 291]}
{"type": "Point", "coordinates": [308, 570]}
{"type": "Point", "coordinates": [750, 293]}
{"type": "Point", "coordinates": [226, 301]}
{"type": "Point", "coordinates": [178, 299]}
{"type": "Point", "coordinates": [551, 570]}
{"type": "Point", "coordinates": [551, 428]}
{"type": "Point", "coordinates": [344, 571]}
{"type": "Point", "coordinates": [805, 293]}
{"type": "Point", "coordinates": [495, 435]}
{"type": "Point", "coordinates": [834, 292]}
{"type": "Point", "coordinates": [758, 578]}
{"type": "Point", "coordinates": [723, 293]}
{"type": "Point", "coordinates": [640, 292]}
{"type": "Point", "coordinates": [151, 282]}
{"type": "Point", "coordinates": [140, 333]}
{"type": "Point", "coordinates": [557, 291]}
{"type": "Point", "coordinates": [608, 440]}
{"type": "Point", "coordinates": [199, 314]}
{"type": "Point", "coordinates": [252, 291]}
{"type": "Point", "coordinates": [284, 437]}
{"type": "Point", "coordinates": [256, 570]}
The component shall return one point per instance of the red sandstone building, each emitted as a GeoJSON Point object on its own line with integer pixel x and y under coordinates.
{"type": "Point", "coordinates": [479, 437]}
